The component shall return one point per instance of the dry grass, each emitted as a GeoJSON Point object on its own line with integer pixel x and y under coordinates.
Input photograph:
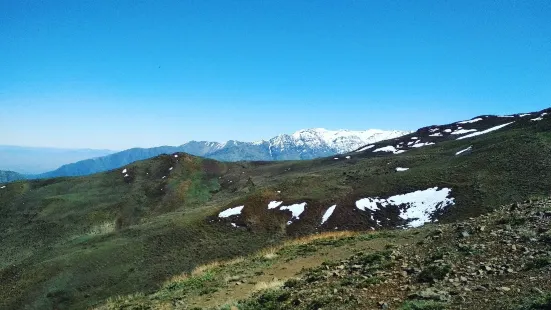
{"type": "Point", "coordinates": [324, 235]}
{"type": "Point", "coordinates": [177, 278]}
{"type": "Point", "coordinates": [269, 253]}
{"type": "Point", "coordinates": [234, 261]}
{"type": "Point", "coordinates": [115, 302]}
{"type": "Point", "coordinates": [262, 286]}
{"type": "Point", "coordinates": [199, 270]}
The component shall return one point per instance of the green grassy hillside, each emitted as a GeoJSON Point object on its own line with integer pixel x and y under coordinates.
{"type": "Point", "coordinates": [497, 261]}
{"type": "Point", "coordinates": [71, 243]}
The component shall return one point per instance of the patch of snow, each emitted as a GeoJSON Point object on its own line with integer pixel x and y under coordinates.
{"type": "Point", "coordinates": [126, 175]}
{"type": "Point", "coordinates": [296, 209]}
{"type": "Point", "coordinates": [233, 224]}
{"type": "Point", "coordinates": [124, 171]}
{"type": "Point", "coordinates": [474, 134]}
{"type": "Point", "coordinates": [231, 211]}
{"type": "Point", "coordinates": [370, 203]}
{"type": "Point", "coordinates": [465, 150]}
{"type": "Point", "coordinates": [164, 176]}
{"type": "Point", "coordinates": [422, 204]}
{"type": "Point", "coordinates": [336, 158]}
{"type": "Point", "coordinates": [328, 214]}
{"type": "Point", "coordinates": [176, 155]}
{"type": "Point", "coordinates": [478, 119]}
{"type": "Point", "coordinates": [274, 204]}
{"type": "Point", "coordinates": [434, 130]}
{"type": "Point", "coordinates": [448, 130]}
{"type": "Point", "coordinates": [279, 192]}
{"type": "Point", "coordinates": [463, 131]}
{"type": "Point", "coordinates": [421, 144]}
{"type": "Point", "coordinates": [418, 206]}
{"type": "Point", "coordinates": [347, 157]}
{"type": "Point", "coordinates": [414, 138]}
{"type": "Point", "coordinates": [365, 148]}
{"type": "Point", "coordinates": [170, 169]}
{"type": "Point", "coordinates": [400, 169]}
{"type": "Point", "coordinates": [539, 118]}
{"type": "Point", "coordinates": [438, 134]}
{"type": "Point", "coordinates": [509, 116]}
{"type": "Point", "coordinates": [4, 186]}
{"type": "Point", "coordinates": [523, 115]}
{"type": "Point", "coordinates": [389, 148]}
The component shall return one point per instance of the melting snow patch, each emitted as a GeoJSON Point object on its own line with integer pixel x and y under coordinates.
{"type": "Point", "coordinates": [365, 148]}
{"type": "Point", "coordinates": [509, 116]}
{"type": "Point", "coordinates": [462, 131]}
{"type": "Point", "coordinates": [126, 175]}
{"type": "Point", "coordinates": [274, 204]}
{"type": "Point", "coordinates": [175, 155]}
{"type": "Point", "coordinates": [231, 211]}
{"type": "Point", "coordinates": [471, 121]}
{"type": "Point", "coordinates": [420, 144]}
{"type": "Point", "coordinates": [336, 158]}
{"type": "Point", "coordinates": [328, 214]}
{"type": "Point", "coordinates": [414, 138]}
{"type": "Point", "coordinates": [523, 115]}
{"type": "Point", "coordinates": [539, 118]}
{"type": "Point", "coordinates": [447, 130]}
{"type": "Point", "coordinates": [399, 169]}
{"type": "Point", "coordinates": [465, 150]}
{"type": "Point", "coordinates": [370, 204]}
{"type": "Point", "coordinates": [170, 169]}
{"type": "Point", "coordinates": [417, 206]}
{"type": "Point", "coordinates": [233, 224]}
{"type": "Point", "coordinates": [4, 186]}
{"type": "Point", "coordinates": [438, 134]}
{"type": "Point", "coordinates": [347, 157]}
{"type": "Point", "coordinates": [164, 176]}
{"type": "Point", "coordinates": [422, 204]}
{"type": "Point", "coordinates": [296, 209]}
{"type": "Point", "coordinates": [124, 171]}
{"type": "Point", "coordinates": [389, 148]}
{"type": "Point", "coordinates": [474, 134]}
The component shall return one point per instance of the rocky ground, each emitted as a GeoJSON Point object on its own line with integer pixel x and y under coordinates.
{"type": "Point", "coordinates": [497, 261]}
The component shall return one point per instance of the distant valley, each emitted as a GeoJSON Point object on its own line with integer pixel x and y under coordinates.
{"type": "Point", "coordinates": [36, 160]}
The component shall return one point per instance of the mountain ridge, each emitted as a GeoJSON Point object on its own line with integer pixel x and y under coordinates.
{"type": "Point", "coordinates": [302, 144]}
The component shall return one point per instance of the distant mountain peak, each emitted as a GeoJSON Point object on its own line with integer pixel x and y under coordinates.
{"type": "Point", "coordinates": [338, 141]}
{"type": "Point", "coordinates": [302, 144]}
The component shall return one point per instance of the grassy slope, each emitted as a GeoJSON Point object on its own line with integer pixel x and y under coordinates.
{"type": "Point", "coordinates": [364, 270]}
{"type": "Point", "coordinates": [72, 242]}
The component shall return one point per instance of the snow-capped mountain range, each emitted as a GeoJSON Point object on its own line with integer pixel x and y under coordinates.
{"type": "Point", "coordinates": [338, 141]}
{"type": "Point", "coordinates": [303, 144]}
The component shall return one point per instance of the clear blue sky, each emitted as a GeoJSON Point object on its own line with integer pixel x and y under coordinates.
{"type": "Point", "coordinates": [117, 74]}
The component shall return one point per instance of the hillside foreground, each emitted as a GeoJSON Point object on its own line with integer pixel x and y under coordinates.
{"type": "Point", "coordinates": [501, 260]}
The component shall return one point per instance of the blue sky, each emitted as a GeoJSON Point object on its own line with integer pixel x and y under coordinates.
{"type": "Point", "coordinates": [118, 74]}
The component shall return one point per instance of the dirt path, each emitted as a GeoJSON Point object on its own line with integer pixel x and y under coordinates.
{"type": "Point", "coordinates": [283, 270]}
